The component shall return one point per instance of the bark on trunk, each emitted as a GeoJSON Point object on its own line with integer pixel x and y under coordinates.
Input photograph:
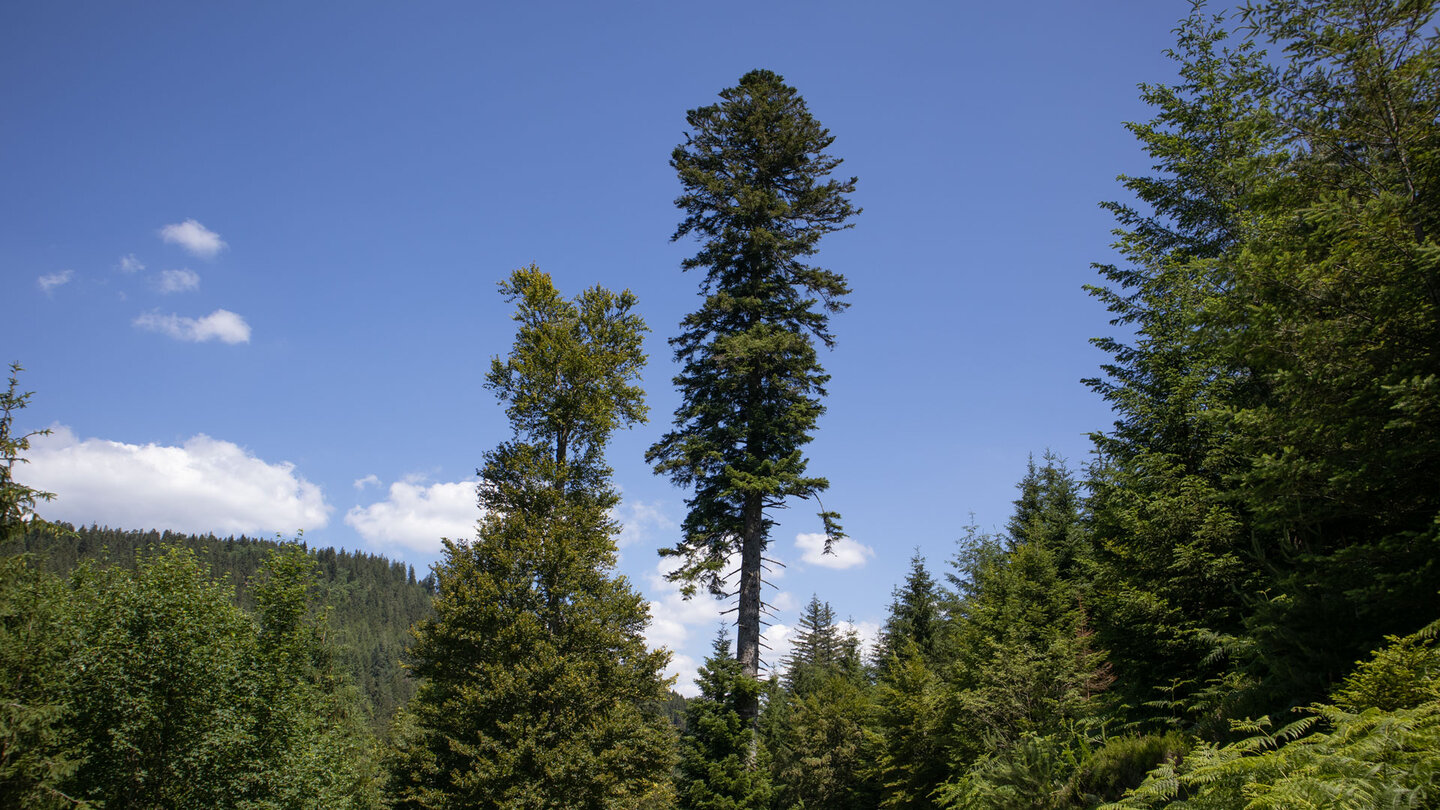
{"type": "Point", "coordinates": [747, 638]}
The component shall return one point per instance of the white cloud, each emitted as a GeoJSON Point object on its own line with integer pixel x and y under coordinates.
{"type": "Point", "coordinates": [777, 640]}
{"type": "Point", "coordinates": [641, 521]}
{"type": "Point", "coordinates": [173, 281]}
{"type": "Point", "coordinates": [194, 238]}
{"type": "Point", "coordinates": [672, 616]}
{"type": "Point", "coordinates": [371, 480]}
{"type": "Point", "coordinates": [130, 264]}
{"type": "Point", "coordinates": [204, 485]}
{"type": "Point", "coordinates": [222, 325]}
{"type": "Point", "coordinates": [675, 621]}
{"type": "Point", "coordinates": [683, 668]}
{"type": "Point", "coordinates": [784, 601]}
{"type": "Point", "coordinates": [415, 516]}
{"type": "Point", "coordinates": [868, 631]}
{"type": "Point", "coordinates": [845, 553]}
{"type": "Point", "coordinates": [50, 281]}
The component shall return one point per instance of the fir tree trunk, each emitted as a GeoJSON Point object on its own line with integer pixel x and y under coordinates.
{"type": "Point", "coordinates": [747, 641]}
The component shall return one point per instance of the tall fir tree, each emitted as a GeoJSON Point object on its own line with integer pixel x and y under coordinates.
{"type": "Point", "coordinates": [537, 690]}
{"type": "Point", "coordinates": [756, 188]}
{"type": "Point", "coordinates": [1169, 538]}
{"type": "Point", "coordinates": [1264, 511]}
{"type": "Point", "coordinates": [1335, 306]}
{"type": "Point", "coordinates": [36, 752]}
{"type": "Point", "coordinates": [17, 501]}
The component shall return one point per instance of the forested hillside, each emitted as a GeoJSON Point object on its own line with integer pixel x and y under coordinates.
{"type": "Point", "coordinates": [1234, 603]}
{"type": "Point", "coordinates": [371, 602]}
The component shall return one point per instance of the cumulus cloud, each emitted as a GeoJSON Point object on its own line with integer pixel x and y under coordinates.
{"type": "Point", "coordinates": [371, 480]}
{"type": "Point", "coordinates": [195, 238]}
{"type": "Point", "coordinates": [130, 264]}
{"type": "Point", "coordinates": [683, 668]}
{"type": "Point", "coordinates": [203, 485]}
{"type": "Point", "coordinates": [672, 617]}
{"type": "Point", "coordinates": [173, 281]}
{"type": "Point", "coordinates": [50, 281]}
{"type": "Point", "coordinates": [845, 553]}
{"type": "Point", "coordinates": [776, 642]}
{"type": "Point", "coordinates": [415, 516]}
{"type": "Point", "coordinates": [222, 325]}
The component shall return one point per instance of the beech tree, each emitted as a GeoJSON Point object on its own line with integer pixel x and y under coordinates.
{"type": "Point", "coordinates": [536, 688]}
{"type": "Point", "coordinates": [757, 190]}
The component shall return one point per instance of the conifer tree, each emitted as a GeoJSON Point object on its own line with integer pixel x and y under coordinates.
{"type": "Point", "coordinates": [17, 501]}
{"type": "Point", "coordinates": [816, 650]}
{"type": "Point", "coordinates": [819, 741]}
{"type": "Point", "coordinates": [1024, 663]}
{"type": "Point", "coordinates": [910, 762]}
{"type": "Point", "coordinates": [1335, 305]}
{"type": "Point", "coordinates": [37, 751]}
{"type": "Point", "coordinates": [756, 188]}
{"type": "Point", "coordinates": [914, 618]}
{"type": "Point", "coordinates": [537, 690]}
{"type": "Point", "coordinates": [1264, 511]}
{"type": "Point", "coordinates": [718, 769]}
{"type": "Point", "coordinates": [1169, 537]}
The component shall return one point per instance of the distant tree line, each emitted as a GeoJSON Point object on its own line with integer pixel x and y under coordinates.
{"type": "Point", "coordinates": [371, 602]}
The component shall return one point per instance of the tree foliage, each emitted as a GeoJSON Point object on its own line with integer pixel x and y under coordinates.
{"type": "Point", "coordinates": [757, 190]}
{"type": "Point", "coordinates": [536, 686]}
{"type": "Point", "coordinates": [819, 726]}
{"type": "Point", "coordinates": [719, 768]}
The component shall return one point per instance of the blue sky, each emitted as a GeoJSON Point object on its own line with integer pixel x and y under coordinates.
{"type": "Point", "coordinates": [250, 253]}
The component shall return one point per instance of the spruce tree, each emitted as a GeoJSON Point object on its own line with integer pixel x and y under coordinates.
{"type": "Point", "coordinates": [1170, 539]}
{"type": "Point", "coordinates": [1024, 664]}
{"type": "Point", "coordinates": [1335, 306]}
{"type": "Point", "coordinates": [536, 689]}
{"type": "Point", "coordinates": [1264, 510]}
{"type": "Point", "coordinates": [914, 618]}
{"type": "Point", "coordinates": [718, 769]}
{"type": "Point", "coordinates": [819, 740]}
{"type": "Point", "coordinates": [37, 750]}
{"type": "Point", "coordinates": [910, 763]}
{"type": "Point", "coordinates": [17, 501]}
{"type": "Point", "coordinates": [756, 188]}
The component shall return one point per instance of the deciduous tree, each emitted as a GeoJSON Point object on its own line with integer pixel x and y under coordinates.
{"type": "Point", "coordinates": [537, 690]}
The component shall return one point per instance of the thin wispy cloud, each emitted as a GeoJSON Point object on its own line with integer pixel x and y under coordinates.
{"type": "Point", "coordinates": [194, 238]}
{"type": "Point", "coordinates": [642, 522]}
{"type": "Point", "coordinates": [50, 281]}
{"type": "Point", "coordinates": [173, 281]}
{"type": "Point", "coordinates": [222, 325]}
{"type": "Point", "coordinates": [130, 264]}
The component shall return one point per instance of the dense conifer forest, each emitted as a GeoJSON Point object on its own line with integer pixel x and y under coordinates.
{"type": "Point", "coordinates": [1234, 603]}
